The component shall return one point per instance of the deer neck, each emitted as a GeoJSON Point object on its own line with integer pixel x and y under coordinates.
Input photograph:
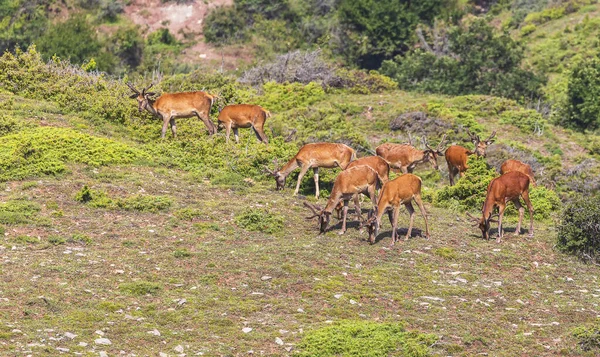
{"type": "Point", "coordinates": [289, 167]}
{"type": "Point", "coordinates": [150, 107]}
{"type": "Point", "coordinates": [488, 207]}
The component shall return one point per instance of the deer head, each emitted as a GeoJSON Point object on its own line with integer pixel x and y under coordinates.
{"type": "Point", "coordinates": [372, 226]}
{"type": "Point", "coordinates": [480, 146]}
{"type": "Point", "coordinates": [142, 97]}
{"type": "Point", "coordinates": [431, 154]}
{"type": "Point", "coordinates": [323, 216]}
{"type": "Point", "coordinates": [279, 178]}
{"type": "Point", "coordinates": [484, 224]}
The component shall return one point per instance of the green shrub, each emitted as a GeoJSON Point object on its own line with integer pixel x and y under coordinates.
{"type": "Point", "coordinates": [188, 214]}
{"type": "Point", "coordinates": [544, 201]}
{"type": "Point", "coordinates": [23, 239]}
{"type": "Point", "coordinates": [80, 239]}
{"type": "Point", "coordinates": [529, 121]}
{"type": "Point", "coordinates": [56, 240]}
{"type": "Point", "coordinates": [94, 198]}
{"type": "Point", "coordinates": [588, 337]}
{"type": "Point", "coordinates": [18, 212]}
{"type": "Point", "coordinates": [281, 97]}
{"type": "Point", "coordinates": [182, 253]}
{"type": "Point", "coordinates": [578, 231]}
{"type": "Point", "coordinates": [259, 220]}
{"type": "Point", "coordinates": [145, 203]}
{"type": "Point", "coordinates": [583, 91]}
{"type": "Point", "coordinates": [527, 29]}
{"type": "Point", "coordinates": [140, 288]}
{"type": "Point", "coordinates": [2, 231]}
{"type": "Point", "coordinates": [363, 82]}
{"type": "Point", "coordinates": [365, 339]}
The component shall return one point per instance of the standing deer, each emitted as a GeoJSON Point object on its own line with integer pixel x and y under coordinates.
{"type": "Point", "coordinates": [315, 155]}
{"type": "Point", "coordinates": [508, 187]}
{"type": "Point", "coordinates": [516, 165]}
{"type": "Point", "coordinates": [406, 157]}
{"type": "Point", "coordinates": [401, 190]}
{"type": "Point", "coordinates": [350, 182]}
{"type": "Point", "coordinates": [244, 116]}
{"type": "Point", "coordinates": [170, 106]}
{"type": "Point", "coordinates": [376, 163]}
{"type": "Point", "coordinates": [457, 156]}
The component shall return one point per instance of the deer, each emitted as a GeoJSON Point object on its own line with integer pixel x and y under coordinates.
{"type": "Point", "coordinates": [516, 165]}
{"type": "Point", "coordinates": [170, 106]}
{"type": "Point", "coordinates": [349, 183]}
{"type": "Point", "coordinates": [401, 190]}
{"type": "Point", "coordinates": [315, 156]}
{"type": "Point", "coordinates": [457, 156]}
{"type": "Point", "coordinates": [406, 157]}
{"type": "Point", "coordinates": [376, 163]}
{"type": "Point", "coordinates": [508, 187]}
{"type": "Point", "coordinates": [236, 116]}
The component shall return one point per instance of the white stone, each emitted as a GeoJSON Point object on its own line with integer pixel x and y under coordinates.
{"type": "Point", "coordinates": [102, 341]}
{"type": "Point", "coordinates": [62, 349]}
{"type": "Point", "coordinates": [246, 329]}
{"type": "Point", "coordinates": [154, 332]}
{"type": "Point", "coordinates": [103, 354]}
{"type": "Point", "coordinates": [337, 296]}
{"type": "Point", "coordinates": [279, 341]}
{"type": "Point", "coordinates": [265, 278]}
{"type": "Point", "coordinates": [70, 335]}
{"type": "Point", "coordinates": [178, 349]}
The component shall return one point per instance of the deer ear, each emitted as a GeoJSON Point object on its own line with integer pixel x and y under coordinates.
{"type": "Point", "coordinates": [133, 96]}
{"type": "Point", "coordinates": [489, 142]}
{"type": "Point", "coordinates": [150, 94]}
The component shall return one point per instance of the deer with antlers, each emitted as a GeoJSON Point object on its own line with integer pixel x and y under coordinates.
{"type": "Point", "coordinates": [406, 157]}
{"type": "Point", "coordinates": [457, 156]}
{"type": "Point", "coordinates": [516, 165]}
{"type": "Point", "coordinates": [315, 155]}
{"type": "Point", "coordinates": [350, 182]}
{"type": "Point", "coordinates": [244, 116]}
{"type": "Point", "coordinates": [401, 190]}
{"type": "Point", "coordinates": [376, 163]}
{"type": "Point", "coordinates": [170, 106]}
{"type": "Point", "coordinates": [508, 187]}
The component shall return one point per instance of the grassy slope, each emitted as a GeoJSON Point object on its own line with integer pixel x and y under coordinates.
{"type": "Point", "coordinates": [515, 298]}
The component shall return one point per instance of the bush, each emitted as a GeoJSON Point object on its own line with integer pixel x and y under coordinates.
{"type": "Point", "coordinates": [529, 120]}
{"type": "Point", "coordinates": [578, 231]}
{"type": "Point", "coordinates": [140, 288]}
{"type": "Point", "coordinates": [588, 337]}
{"type": "Point", "coordinates": [259, 220]}
{"type": "Point", "coordinates": [99, 199]}
{"type": "Point", "coordinates": [583, 93]}
{"type": "Point", "coordinates": [18, 212]}
{"type": "Point", "coordinates": [365, 338]}
{"type": "Point", "coordinates": [281, 97]}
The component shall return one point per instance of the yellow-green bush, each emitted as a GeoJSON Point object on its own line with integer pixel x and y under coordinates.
{"type": "Point", "coordinates": [528, 120]}
{"type": "Point", "coordinates": [143, 203]}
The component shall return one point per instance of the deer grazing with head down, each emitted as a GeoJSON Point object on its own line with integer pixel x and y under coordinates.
{"type": "Point", "coordinates": [457, 156]}
{"type": "Point", "coordinates": [170, 106]}
{"type": "Point", "coordinates": [244, 116]}
{"type": "Point", "coordinates": [401, 190]}
{"type": "Point", "coordinates": [376, 163]}
{"type": "Point", "coordinates": [315, 155]}
{"type": "Point", "coordinates": [406, 157]}
{"type": "Point", "coordinates": [516, 165]}
{"type": "Point", "coordinates": [350, 182]}
{"type": "Point", "coordinates": [508, 187]}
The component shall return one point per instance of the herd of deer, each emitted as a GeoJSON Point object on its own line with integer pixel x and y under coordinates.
{"type": "Point", "coordinates": [359, 176]}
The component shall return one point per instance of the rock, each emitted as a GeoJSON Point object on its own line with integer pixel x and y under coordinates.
{"type": "Point", "coordinates": [178, 349]}
{"type": "Point", "coordinates": [70, 335]}
{"type": "Point", "coordinates": [62, 349]}
{"type": "Point", "coordinates": [154, 332]}
{"type": "Point", "coordinates": [246, 329]}
{"type": "Point", "coordinates": [181, 302]}
{"type": "Point", "coordinates": [98, 332]}
{"type": "Point", "coordinates": [162, 354]}
{"type": "Point", "coordinates": [102, 341]}
{"type": "Point", "coordinates": [337, 296]}
{"type": "Point", "coordinates": [265, 278]}
{"type": "Point", "coordinates": [103, 354]}
{"type": "Point", "coordinates": [83, 344]}
{"type": "Point", "coordinates": [279, 341]}
{"type": "Point", "coordinates": [353, 302]}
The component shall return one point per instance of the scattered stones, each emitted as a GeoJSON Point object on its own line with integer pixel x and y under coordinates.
{"type": "Point", "coordinates": [162, 354]}
{"type": "Point", "coordinates": [99, 332]}
{"type": "Point", "coordinates": [178, 349]}
{"type": "Point", "coordinates": [83, 344]}
{"type": "Point", "coordinates": [265, 278]}
{"type": "Point", "coordinates": [300, 310]}
{"type": "Point", "coordinates": [70, 335]}
{"type": "Point", "coordinates": [102, 341]}
{"type": "Point", "coordinates": [154, 332]}
{"type": "Point", "coordinates": [279, 341]}
{"type": "Point", "coordinates": [103, 354]}
{"type": "Point", "coordinates": [246, 329]}
{"type": "Point", "coordinates": [62, 349]}
{"type": "Point", "coordinates": [338, 296]}
{"type": "Point", "coordinates": [434, 298]}
{"type": "Point", "coordinates": [353, 302]}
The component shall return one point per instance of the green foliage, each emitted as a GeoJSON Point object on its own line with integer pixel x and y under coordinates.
{"type": "Point", "coordinates": [188, 214]}
{"type": "Point", "coordinates": [142, 203]}
{"type": "Point", "coordinates": [18, 212]}
{"type": "Point", "coordinates": [480, 61]}
{"type": "Point", "coordinates": [80, 239]}
{"type": "Point", "coordinates": [56, 240]}
{"type": "Point", "coordinates": [224, 25]}
{"type": "Point", "coordinates": [2, 231]}
{"type": "Point", "coordinates": [364, 82]}
{"type": "Point", "coordinates": [578, 231]}
{"type": "Point", "coordinates": [446, 252]}
{"type": "Point", "coordinates": [46, 150]}
{"type": "Point", "coordinates": [23, 239]}
{"type": "Point", "coordinates": [588, 337]}
{"type": "Point", "coordinates": [259, 220]}
{"type": "Point", "coordinates": [281, 97]}
{"type": "Point", "coordinates": [528, 120]}
{"type": "Point", "coordinates": [364, 338]}
{"type": "Point", "coordinates": [140, 288]}
{"type": "Point", "coordinates": [9, 125]}
{"type": "Point", "coordinates": [544, 201]}
{"type": "Point", "coordinates": [22, 22]}
{"type": "Point", "coordinates": [583, 93]}
{"type": "Point", "coordinates": [470, 190]}
{"type": "Point", "coordinates": [110, 9]}
{"type": "Point", "coordinates": [182, 253]}
{"type": "Point", "coordinates": [74, 39]}
{"type": "Point", "coordinates": [527, 29]}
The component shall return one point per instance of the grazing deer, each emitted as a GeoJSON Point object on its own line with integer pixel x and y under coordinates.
{"type": "Point", "coordinates": [406, 157]}
{"type": "Point", "coordinates": [508, 187]}
{"type": "Point", "coordinates": [457, 156]}
{"type": "Point", "coordinates": [350, 182]}
{"type": "Point", "coordinates": [516, 165]}
{"type": "Point", "coordinates": [170, 106]}
{"type": "Point", "coordinates": [376, 163]}
{"type": "Point", "coordinates": [315, 155]}
{"type": "Point", "coordinates": [244, 116]}
{"type": "Point", "coordinates": [401, 190]}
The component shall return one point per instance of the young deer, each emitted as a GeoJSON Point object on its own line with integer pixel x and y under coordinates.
{"type": "Point", "coordinates": [508, 187]}
{"type": "Point", "coordinates": [316, 155]}
{"type": "Point", "coordinates": [401, 190]}
{"type": "Point", "coordinates": [456, 156]}
{"type": "Point", "coordinates": [406, 157]}
{"type": "Point", "coordinates": [376, 163]}
{"type": "Point", "coordinates": [516, 165]}
{"type": "Point", "coordinates": [171, 106]}
{"type": "Point", "coordinates": [350, 182]}
{"type": "Point", "coordinates": [244, 116]}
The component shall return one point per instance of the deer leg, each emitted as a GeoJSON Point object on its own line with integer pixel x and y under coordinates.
{"type": "Point", "coordinates": [419, 202]}
{"type": "Point", "coordinates": [500, 216]}
{"type": "Point", "coordinates": [404, 169]}
{"type": "Point", "coordinates": [260, 134]}
{"type": "Point", "coordinates": [525, 196]}
{"type": "Point", "coordinates": [411, 212]}
{"type": "Point", "coordinates": [521, 211]}
{"type": "Point", "coordinates": [395, 224]}
{"type": "Point", "coordinates": [357, 209]}
{"type": "Point", "coordinates": [173, 127]}
{"type": "Point", "coordinates": [316, 178]}
{"type": "Point", "coordinates": [451, 175]}
{"type": "Point", "coordinates": [303, 171]}
{"type": "Point", "coordinates": [237, 135]}
{"type": "Point", "coordinates": [227, 132]}
{"type": "Point", "coordinates": [166, 121]}
{"type": "Point", "coordinates": [345, 214]}
{"type": "Point", "coordinates": [210, 126]}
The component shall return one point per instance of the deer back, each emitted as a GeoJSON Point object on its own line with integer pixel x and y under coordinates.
{"type": "Point", "coordinates": [516, 165]}
{"type": "Point", "coordinates": [184, 102]}
{"type": "Point", "coordinates": [457, 155]}
{"type": "Point", "coordinates": [399, 155]}
{"type": "Point", "coordinates": [325, 155]}
{"type": "Point", "coordinates": [376, 163]}
{"type": "Point", "coordinates": [400, 190]}
{"type": "Point", "coordinates": [243, 114]}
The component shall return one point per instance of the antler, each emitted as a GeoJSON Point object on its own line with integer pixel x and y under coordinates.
{"type": "Point", "coordinates": [290, 136]}
{"type": "Point", "coordinates": [489, 139]}
{"type": "Point", "coordinates": [132, 88]}
{"type": "Point", "coordinates": [269, 171]}
{"type": "Point", "coordinates": [145, 89]}
{"type": "Point", "coordinates": [314, 208]}
{"type": "Point", "coordinates": [473, 218]}
{"type": "Point", "coordinates": [441, 144]}
{"type": "Point", "coordinates": [424, 140]}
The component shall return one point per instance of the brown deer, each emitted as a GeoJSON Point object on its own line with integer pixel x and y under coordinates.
{"type": "Point", "coordinates": [406, 157]}
{"type": "Point", "coordinates": [457, 156]}
{"type": "Point", "coordinates": [350, 182]}
{"type": "Point", "coordinates": [516, 165]}
{"type": "Point", "coordinates": [244, 116]}
{"type": "Point", "coordinates": [376, 163]}
{"type": "Point", "coordinates": [315, 155]}
{"type": "Point", "coordinates": [170, 106]}
{"type": "Point", "coordinates": [401, 190]}
{"type": "Point", "coordinates": [508, 187]}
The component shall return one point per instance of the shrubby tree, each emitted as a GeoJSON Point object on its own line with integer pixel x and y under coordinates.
{"type": "Point", "coordinates": [583, 96]}
{"type": "Point", "coordinates": [74, 39]}
{"type": "Point", "coordinates": [22, 22]}
{"type": "Point", "coordinates": [579, 230]}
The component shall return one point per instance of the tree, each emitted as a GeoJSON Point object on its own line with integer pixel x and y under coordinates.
{"type": "Point", "coordinates": [583, 96]}
{"type": "Point", "coordinates": [74, 39]}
